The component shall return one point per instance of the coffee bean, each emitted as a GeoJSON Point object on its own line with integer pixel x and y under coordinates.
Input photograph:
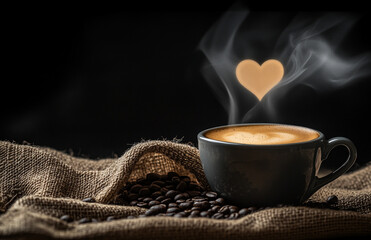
{"type": "Point", "coordinates": [160, 198]}
{"type": "Point", "coordinates": [233, 209]}
{"type": "Point", "coordinates": [215, 208]}
{"type": "Point", "coordinates": [196, 208]}
{"type": "Point", "coordinates": [142, 181]}
{"type": "Point", "coordinates": [172, 205]}
{"type": "Point", "coordinates": [180, 215]}
{"type": "Point", "coordinates": [171, 193]}
{"type": "Point", "coordinates": [243, 211]}
{"type": "Point", "coordinates": [170, 175]}
{"type": "Point", "coordinates": [166, 201]}
{"type": "Point", "coordinates": [132, 197]}
{"type": "Point", "coordinates": [194, 186]}
{"type": "Point", "coordinates": [180, 201]}
{"type": "Point", "coordinates": [159, 183]}
{"type": "Point", "coordinates": [195, 213]}
{"type": "Point", "coordinates": [156, 194]}
{"type": "Point", "coordinates": [89, 199]}
{"type": "Point", "coordinates": [170, 214]}
{"type": "Point", "coordinates": [220, 201]}
{"type": "Point", "coordinates": [144, 191]}
{"type": "Point", "coordinates": [185, 205]}
{"type": "Point", "coordinates": [199, 199]}
{"type": "Point", "coordinates": [66, 218]}
{"type": "Point", "coordinates": [218, 215]}
{"type": "Point", "coordinates": [193, 193]}
{"type": "Point", "coordinates": [151, 212]}
{"type": "Point", "coordinates": [140, 199]}
{"type": "Point", "coordinates": [163, 177]}
{"type": "Point", "coordinates": [252, 209]}
{"type": "Point", "coordinates": [204, 214]}
{"type": "Point", "coordinates": [153, 203]}
{"type": "Point", "coordinates": [234, 215]}
{"type": "Point", "coordinates": [135, 188]}
{"type": "Point", "coordinates": [164, 190]}
{"type": "Point", "coordinates": [224, 209]}
{"type": "Point", "coordinates": [154, 187]}
{"type": "Point", "coordinates": [211, 195]}
{"type": "Point", "coordinates": [147, 200]}
{"type": "Point", "coordinates": [152, 177]}
{"type": "Point", "coordinates": [84, 220]}
{"type": "Point", "coordinates": [170, 187]}
{"type": "Point", "coordinates": [333, 199]}
{"type": "Point", "coordinates": [175, 180]}
{"type": "Point", "coordinates": [212, 202]}
{"type": "Point", "coordinates": [110, 218]}
{"type": "Point", "coordinates": [142, 204]}
{"type": "Point", "coordinates": [181, 186]}
{"type": "Point", "coordinates": [94, 220]}
{"type": "Point", "coordinates": [186, 179]}
{"type": "Point", "coordinates": [173, 210]}
{"type": "Point", "coordinates": [179, 196]}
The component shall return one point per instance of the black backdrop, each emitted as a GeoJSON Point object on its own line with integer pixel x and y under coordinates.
{"type": "Point", "coordinates": [95, 81]}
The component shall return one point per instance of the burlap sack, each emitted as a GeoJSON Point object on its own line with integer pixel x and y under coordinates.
{"type": "Point", "coordinates": [38, 185]}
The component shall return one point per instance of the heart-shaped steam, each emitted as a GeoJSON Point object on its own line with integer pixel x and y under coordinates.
{"type": "Point", "coordinates": [259, 79]}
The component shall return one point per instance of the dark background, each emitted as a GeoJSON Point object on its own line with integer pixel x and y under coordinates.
{"type": "Point", "coordinates": [94, 81]}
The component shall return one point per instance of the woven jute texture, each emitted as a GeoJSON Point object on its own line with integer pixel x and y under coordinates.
{"type": "Point", "coordinates": [38, 185]}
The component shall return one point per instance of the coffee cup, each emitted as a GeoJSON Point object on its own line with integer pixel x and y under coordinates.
{"type": "Point", "coordinates": [266, 164]}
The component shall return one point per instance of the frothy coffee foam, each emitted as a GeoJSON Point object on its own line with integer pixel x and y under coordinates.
{"type": "Point", "coordinates": [263, 134]}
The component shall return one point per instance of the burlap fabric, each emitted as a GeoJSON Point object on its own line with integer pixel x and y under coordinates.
{"type": "Point", "coordinates": [38, 185]}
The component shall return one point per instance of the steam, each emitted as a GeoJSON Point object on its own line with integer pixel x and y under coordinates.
{"type": "Point", "coordinates": [306, 46]}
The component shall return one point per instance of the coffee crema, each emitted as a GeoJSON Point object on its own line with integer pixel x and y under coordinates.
{"type": "Point", "coordinates": [263, 134]}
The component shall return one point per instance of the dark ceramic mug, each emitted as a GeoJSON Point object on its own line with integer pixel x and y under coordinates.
{"type": "Point", "coordinates": [266, 175]}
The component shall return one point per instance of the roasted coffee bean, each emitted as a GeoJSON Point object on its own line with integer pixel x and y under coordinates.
{"type": "Point", "coordinates": [199, 199]}
{"type": "Point", "coordinates": [133, 203]}
{"type": "Point", "coordinates": [202, 205]}
{"type": "Point", "coordinates": [151, 212]}
{"type": "Point", "coordinates": [110, 218]}
{"type": "Point", "coordinates": [175, 180]}
{"type": "Point", "coordinates": [204, 214]}
{"type": "Point", "coordinates": [186, 179]}
{"type": "Point", "coordinates": [234, 215]}
{"type": "Point", "coordinates": [160, 198]}
{"type": "Point", "coordinates": [180, 201]}
{"type": "Point", "coordinates": [170, 187]}
{"type": "Point", "coordinates": [224, 209]}
{"type": "Point", "coordinates": [132, 197]}
{"type": "Point", "coordinates": [153, 203]}
{"type": "Point", "coordinates": [185, 205]}
{"type": "Point", "coordinates": [180, 215]}
{"type": "Point", "coordinates": [196, 208]}
{"type": "Point", "coordinates": [218, 215]}
{"type": "Point", "coordinates": [135, 188]}
{"type": "Point", "coordinates": [147, 200]}
{"type": "Point", "coordinates": [144, 192]}
{"type": "Point", "coordinates": [159, 183]}
{"type": "Point", "coordinates": [66, 218]}
{"type": "Point", "coordinates": [152, 177]}
{"type": "Point", "coordinates": [164, 190]}
{"type": "Point", "coordinates": [156, 194]}
{"type": "Point", "coordinates": [333, 199]}
{"type": "Point", "coordinates": [220, 201]}
{"type": "Point", "coordinates": [193, 193]}
{"type": "Point", "coordinates": [142, 204]}
{"type": "Point", "coordinates": [84, 220]}
{"type": "Point", "coordinates": [89, 199]}
{"type": "Point", "coordinates": [182, 186]}
{"type": "Point", "coordinates": [194, 186]}
{"type": "Point", "coordinates": [233, 209]}
{"type": "Point", "coordinates": [172, 205]}
{"type": "Point", "coordinates": [212, 202]}
{"type": "Point", "coordinates": [170, 175]}
{"type": "Point", "coordinates": [170, 214]}
{"type": "Point", "coordinates": [180, 196]}
{"type": "Point", "coordinates": [211, 195]}
{"type": "Point", "coordinates": [94, 220]}
{"type": "Point", "coordinates": [171, 193]}
{"type": "Point", "coordinates": [142, 181]}
{"type": "Point", "coordinates": [166, 201]}
{"type": "Point", "coordinates": [215, 208]}
{"type": "Point", "coordinates": [173, 210]}
{"type": "Point", "coordinates": [243, 211]}
{"type": "Point", "coordinates": [252, 209]}
{"type": "Point", "coordinates": [195, 213]}
{"type": "Point", "coordinates": [140, 199]}
{"type": "Point", "coordinates": [154, 187]}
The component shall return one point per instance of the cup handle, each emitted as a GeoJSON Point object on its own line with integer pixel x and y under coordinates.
{"type": "Point", "coordinates": [329, 145]}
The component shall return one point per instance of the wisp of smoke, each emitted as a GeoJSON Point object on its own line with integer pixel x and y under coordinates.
{"type": "Point", "coordinates": [306, 46]}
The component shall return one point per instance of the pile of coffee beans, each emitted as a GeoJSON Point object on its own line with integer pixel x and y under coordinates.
{"type": "Point", "coordinates": [177, 196]}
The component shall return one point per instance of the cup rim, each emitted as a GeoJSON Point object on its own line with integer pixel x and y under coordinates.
{"type": "Point", "coordinates": [201, 136]}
